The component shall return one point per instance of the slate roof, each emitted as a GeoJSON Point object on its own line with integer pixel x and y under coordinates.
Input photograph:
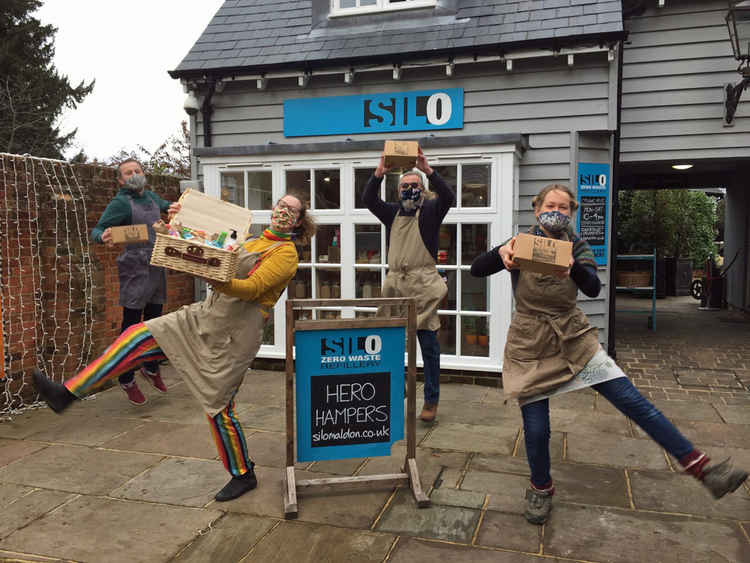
{"type": "Point", "coordinates": [253, 35]}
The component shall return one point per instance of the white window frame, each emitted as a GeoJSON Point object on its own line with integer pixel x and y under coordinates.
{"type": "Point", "coordinates": [381, 6]}
{"type": "Point", "coordinates": [499, 216]}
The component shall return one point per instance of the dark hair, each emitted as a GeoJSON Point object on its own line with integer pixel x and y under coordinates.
{"type": "Point", "coordinates": [304, 233]}
{"type": "Point", "coordinates": [540, 197]}
{"type": "Point", "coordinates": [131, 159]}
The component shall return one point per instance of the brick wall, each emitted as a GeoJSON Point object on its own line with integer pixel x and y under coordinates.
{"type": "Point", "coordinates": [59, 289]}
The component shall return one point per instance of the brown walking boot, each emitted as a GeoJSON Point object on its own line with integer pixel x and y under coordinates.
{"type": "Point", "coordinates": [429, 412]}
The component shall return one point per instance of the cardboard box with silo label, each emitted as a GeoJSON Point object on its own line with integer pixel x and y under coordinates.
{"type": "Point", "coordinates": [541, 254]}
{"type": "Point", "coordinates": [129, 234]}
{"type": "Point", "coordinates": [401, 154]}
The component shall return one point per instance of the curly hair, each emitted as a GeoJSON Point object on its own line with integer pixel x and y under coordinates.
{"type": "Point", "coordinates": [541, 196]}
{"type": "Point", "coordinates": [307, 227]}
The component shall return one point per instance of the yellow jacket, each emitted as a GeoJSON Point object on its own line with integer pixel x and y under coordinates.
{"type": "Point", "coordinates": [270, 278]}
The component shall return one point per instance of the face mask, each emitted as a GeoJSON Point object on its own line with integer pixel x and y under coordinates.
{"type": "Point", "coordinates": [410, 198]}
{"type": "Point", "coordinates": [553, 221]}
{"type": "Point", "coordinates": [282, 217]}
{"type": "Point", "coordinates": [136, 183]}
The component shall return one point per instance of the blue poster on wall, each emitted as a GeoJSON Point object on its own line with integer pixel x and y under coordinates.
{"type": "Point", "coordinates": [593, 204]}
{"type": "Point", "coordinates": [423, 110]}
{"type": "Point", "coordinates": [350, 392]}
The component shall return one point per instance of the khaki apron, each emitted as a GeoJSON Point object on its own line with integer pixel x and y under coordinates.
{"type": "Point", "coordinates": [412, 273]}
{"type": "Point", "coordinates": [212, 343]}
{"type": "Point", "coordinates": [549, 340]}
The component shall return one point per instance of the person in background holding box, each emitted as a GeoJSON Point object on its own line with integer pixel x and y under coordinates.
{"type": "Point", "coordinates": [551, 348]}
{"type": "Point", "coordinates": [212, 343]}
{"type": "Point", "coordinates": [143, 288]}
{"type": "Point", "coordinates": [412, 226]}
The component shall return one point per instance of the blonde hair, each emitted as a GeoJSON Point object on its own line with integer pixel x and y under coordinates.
{"type": "Point", "coordinates": [307, 227]}
{"type": "Point", "coordinates": [539, 198]}
{"type": "Point", "coordinates": [422, 180]}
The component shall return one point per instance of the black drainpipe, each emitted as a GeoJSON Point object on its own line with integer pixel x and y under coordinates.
{"type": "Point", "coordinates": [206, 111]}
{"type": "Point", "coordinates": [615, 189]}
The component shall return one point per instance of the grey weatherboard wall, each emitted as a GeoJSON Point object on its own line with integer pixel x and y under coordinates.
{"type": "Point", "coordinates": [675, 64]}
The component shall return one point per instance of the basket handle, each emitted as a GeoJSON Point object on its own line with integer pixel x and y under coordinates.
{"type": "Point", "coordinates": [193, 254]}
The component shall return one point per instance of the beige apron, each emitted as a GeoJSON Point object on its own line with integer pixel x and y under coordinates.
{"type": "Point", "coordinates": [549, 339]}
{"type": "Point", "coordinates": [412, 273]}
{"type": "Point", "coordinates": [212, 343]}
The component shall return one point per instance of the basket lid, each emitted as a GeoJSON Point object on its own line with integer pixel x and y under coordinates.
{"type": "Point", "coordinates": [201, 211]}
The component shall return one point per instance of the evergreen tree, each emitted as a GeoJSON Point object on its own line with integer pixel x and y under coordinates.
{"type": "Point", "coordinates": [32, 92]}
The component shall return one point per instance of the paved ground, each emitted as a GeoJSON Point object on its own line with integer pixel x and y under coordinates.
{"type": "Point", "coordinates": [110, 482]}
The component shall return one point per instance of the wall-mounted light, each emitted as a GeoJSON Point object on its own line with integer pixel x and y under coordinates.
{"type": "Point", "coordinates": [738, 25]}
{"type": "Point", "coordinates": [396, 72]}
{"type": "Point", "coordinates": [349, 76]}
{"type": "Point", "coordinates": [261, 83]}
{"type": "Point", "coordinates": [509, 65]}
{"type": "Point", "coordinates": [571, 60]}
{"type": "Point", "coordinates": [450, 68]}
{"type": "Point", "coordinates": [303, 79]}
{"type": "Point", "coordinates": [682, 166]}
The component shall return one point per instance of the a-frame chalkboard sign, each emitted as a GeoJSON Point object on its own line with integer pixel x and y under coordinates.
{"type": "Point", "coordinates": [349, 394]}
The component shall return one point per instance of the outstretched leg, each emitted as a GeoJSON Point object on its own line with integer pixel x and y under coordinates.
{"type": "Point", "coordinates": [719, 479]}
{"type": "Point", "coordinates": [131, 349]}
{"type": "Point", "coordinates": [536, 431]}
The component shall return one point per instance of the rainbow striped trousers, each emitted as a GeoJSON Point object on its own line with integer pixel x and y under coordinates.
{"type": "Point", "coordinates": [137, 346]}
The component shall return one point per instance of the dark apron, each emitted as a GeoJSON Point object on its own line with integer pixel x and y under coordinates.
{"type": "Point", "coordinates": [412, 273]}
{"type": "Point", "coordinates": [140, 282]}
{"type": "Point", "coordinates": [549, 340]}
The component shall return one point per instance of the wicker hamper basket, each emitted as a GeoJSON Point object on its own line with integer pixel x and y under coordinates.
{"type": "Point", "coordinates": [211, 215]}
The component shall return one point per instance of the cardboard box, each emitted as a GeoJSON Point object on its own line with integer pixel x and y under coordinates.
{"type": "Point", "coordinates": [129, 234]}
{"type": "Point", "coordinates": [401, 154]}
{"type": "Point", "coordinates": [541, 254]}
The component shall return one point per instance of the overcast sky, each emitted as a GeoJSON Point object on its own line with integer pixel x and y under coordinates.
{"type": "Point", "coordinates": [128, 47]}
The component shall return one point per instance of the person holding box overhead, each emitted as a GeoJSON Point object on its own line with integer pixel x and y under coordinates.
{"type": "Point", "coordinates": [143, 288]}
{"type": "Point", "coordinates": [552, 348]}
{"type": "Point", "coordinates": [412, 227]}
{"type": "Point", "coordinates": [211, 343]}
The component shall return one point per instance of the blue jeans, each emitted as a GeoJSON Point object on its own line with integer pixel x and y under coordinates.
{"type": "Point", "coordinates": [628, 400]}
{"type": "Point", "coordinates": [430, 347]}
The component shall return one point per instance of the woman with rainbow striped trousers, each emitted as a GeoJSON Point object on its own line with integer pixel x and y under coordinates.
{"type": "Point", "coordinates": [211, 343]}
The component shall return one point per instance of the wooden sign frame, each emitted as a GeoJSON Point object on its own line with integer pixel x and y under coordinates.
{"type": "Point", "coordinates": [410, 473]}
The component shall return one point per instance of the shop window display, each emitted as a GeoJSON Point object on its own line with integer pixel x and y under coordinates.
{"type": "Point", "coordinates": [367, 244]}
{"type": "Point", "coordinates": [233, 187]}
{"type": "Point", "coordinates": [474, 336]}
{"type": "Point", "coordinates": [328, 244]}
{"type": "Point", "coordinates": [327, 189]}
{"type": "Point", "coordinates": [475, 185]}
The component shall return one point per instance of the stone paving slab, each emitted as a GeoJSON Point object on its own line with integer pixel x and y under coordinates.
{"type": "Point", "coordinates": [500, 463]}
{"type": "Point", "coordinates": [618, 536]}
{"type": "Point", "coordinates": [86, 429]}
{"type": "Point", "coordinates": [690, 410]}
{"type": "Point", "coordinates": [23, 425]}
{"type": "Point", "coordinates": [478, 413]}
{"type": "Point", "coordinates": [506, 491]}
{"type": "Point", "coordinates": [262, 417]}
{"type": "Point", "coordinates": [11, 450]}
{"type": "Point", "coordinates": [453, 497]}
{"type": "Point", "coordinates": [182, 482]}
{"type": "Point", "coordinates": [589, 484]}
{"type": "Point", "coordinates": [509, 531]}
{"type": "Point", "coordinates": [77, 469]}
{"type": "Point", "coordinates": [28, 508]}
{"type": "Point", "coordinates": [413, 550]}
{"type": "Point", "coordinates": [473, 438]}
{"type": "Point", "coordinates": [449, 523]}
{"type": "Point", "coordinates": [567, 420]}
{"type": "Point", "coordinates": [679, 493]}
{"type": "Point", "coordinates": [608, 449]}
{"type": "Point", "coordinates": [227, 540]}
{"type": "Point", "coordinates": [713, 433]}
{"type": "Point", "coordinates": [128, 531]}
{"type": "Point", "coordinates": [189, 440]}
{"type": "Point", "coordinates": [310, 543]}
{"type": "Point", "coordinates": [733, 414]}
{"type": "Point", "coordinates": [263, 388]}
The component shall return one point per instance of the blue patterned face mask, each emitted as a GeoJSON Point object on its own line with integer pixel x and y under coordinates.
{"type": "Point", "coordinates": [553, 221]}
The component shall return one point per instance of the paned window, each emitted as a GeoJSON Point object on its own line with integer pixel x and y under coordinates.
{"type": "Point", "coordinates": [351, 7]}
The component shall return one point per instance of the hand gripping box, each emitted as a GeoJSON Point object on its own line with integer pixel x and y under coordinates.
{"type": "Point", "coordinates": [211, 215]}
{"type": "Point", "coordinates": [541, 254]}
{"type": "Point", "coordinates": [401, 154]}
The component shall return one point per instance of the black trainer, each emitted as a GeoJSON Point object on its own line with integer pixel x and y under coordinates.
{"type": "Point", "coordinates": [723, 478]}
{"type": "Point", "coordinates": [238, 486]}
{"type": "Point", "coordinates": [56, 395]}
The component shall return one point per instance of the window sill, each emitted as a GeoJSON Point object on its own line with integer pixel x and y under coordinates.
{"type": "Point", "coordinates": [379, 10]}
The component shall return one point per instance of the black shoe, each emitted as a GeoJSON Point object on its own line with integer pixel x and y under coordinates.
{"type": "Point", "coordinates": [238, 486]}
{"type": "Point", "coordinates": [56, 395]}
